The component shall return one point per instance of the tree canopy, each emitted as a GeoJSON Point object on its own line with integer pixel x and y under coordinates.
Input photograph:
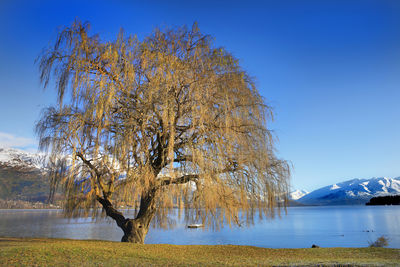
{"type": "Point", "coordinates": [167, 122]}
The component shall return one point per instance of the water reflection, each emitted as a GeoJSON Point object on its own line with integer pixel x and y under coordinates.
{"type": "Point", "coordinates": [340, 226]}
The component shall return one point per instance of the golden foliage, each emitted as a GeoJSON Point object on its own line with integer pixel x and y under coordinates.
{"type": "Point", "coordinates": [170, 116]}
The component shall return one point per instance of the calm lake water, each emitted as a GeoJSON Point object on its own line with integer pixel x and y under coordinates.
{"type": "Point", "coordinates": [337, 226]}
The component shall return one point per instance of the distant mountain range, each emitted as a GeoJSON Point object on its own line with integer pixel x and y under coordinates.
{"type": "Point", "coordinates": [23, 177]}
{"type": "Point", "coordinates": [16, 158]}
{"type": "Point", "coordinates": [297, 194]}
{"type": "Point", "coordinates": [352, 192]}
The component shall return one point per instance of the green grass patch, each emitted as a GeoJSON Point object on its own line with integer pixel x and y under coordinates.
{"type": "Point", "coordinates": [63, 252]}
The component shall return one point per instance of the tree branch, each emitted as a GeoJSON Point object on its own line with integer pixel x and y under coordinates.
{"type": "Point", "coordinates": [180, 180]}
{"type": "Point", "coordinates": [96, 171]}
{"type": "Point", "coordinates": [112, 212]}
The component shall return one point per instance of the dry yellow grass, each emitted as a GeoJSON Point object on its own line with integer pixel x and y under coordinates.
{"type": "Point", "coordinates": [63, 252]}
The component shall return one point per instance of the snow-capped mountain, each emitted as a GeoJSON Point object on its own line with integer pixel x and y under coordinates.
{"type": "Point", "coordinates": [23, 176]}
{"type": "Point", "coordinates": [352, 192]}
{"type": "Point", "coordinates": [297, 194]}
{"type": "Point", "coordinates": [11, 157]}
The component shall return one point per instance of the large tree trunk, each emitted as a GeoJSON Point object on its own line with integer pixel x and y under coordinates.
{"type": "Point", "coordinates": [135, 230]}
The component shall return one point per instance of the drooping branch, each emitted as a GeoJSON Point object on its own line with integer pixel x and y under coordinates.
{"type": "Point", "coordinates": [170, 104]}
{"type": "Point", "coordinates": [98, 175]}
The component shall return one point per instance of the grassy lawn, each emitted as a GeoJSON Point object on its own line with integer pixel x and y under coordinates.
{"type": "Point", "coordinates": [63, 252]}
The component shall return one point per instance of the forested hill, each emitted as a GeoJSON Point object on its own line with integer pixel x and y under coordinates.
{"type": "Point", "coordinates": [23, 184]}
{"type": "Point", "coordinates": [385, 200]}
{"type": "Point", "coordinates": [22, 176]}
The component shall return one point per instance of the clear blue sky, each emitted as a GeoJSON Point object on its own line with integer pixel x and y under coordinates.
{"type": "Point", "coordinates": [330, 69]}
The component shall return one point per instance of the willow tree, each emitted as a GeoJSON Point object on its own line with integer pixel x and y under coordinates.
{"type": "Point", "coordinates": [167, 122]}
